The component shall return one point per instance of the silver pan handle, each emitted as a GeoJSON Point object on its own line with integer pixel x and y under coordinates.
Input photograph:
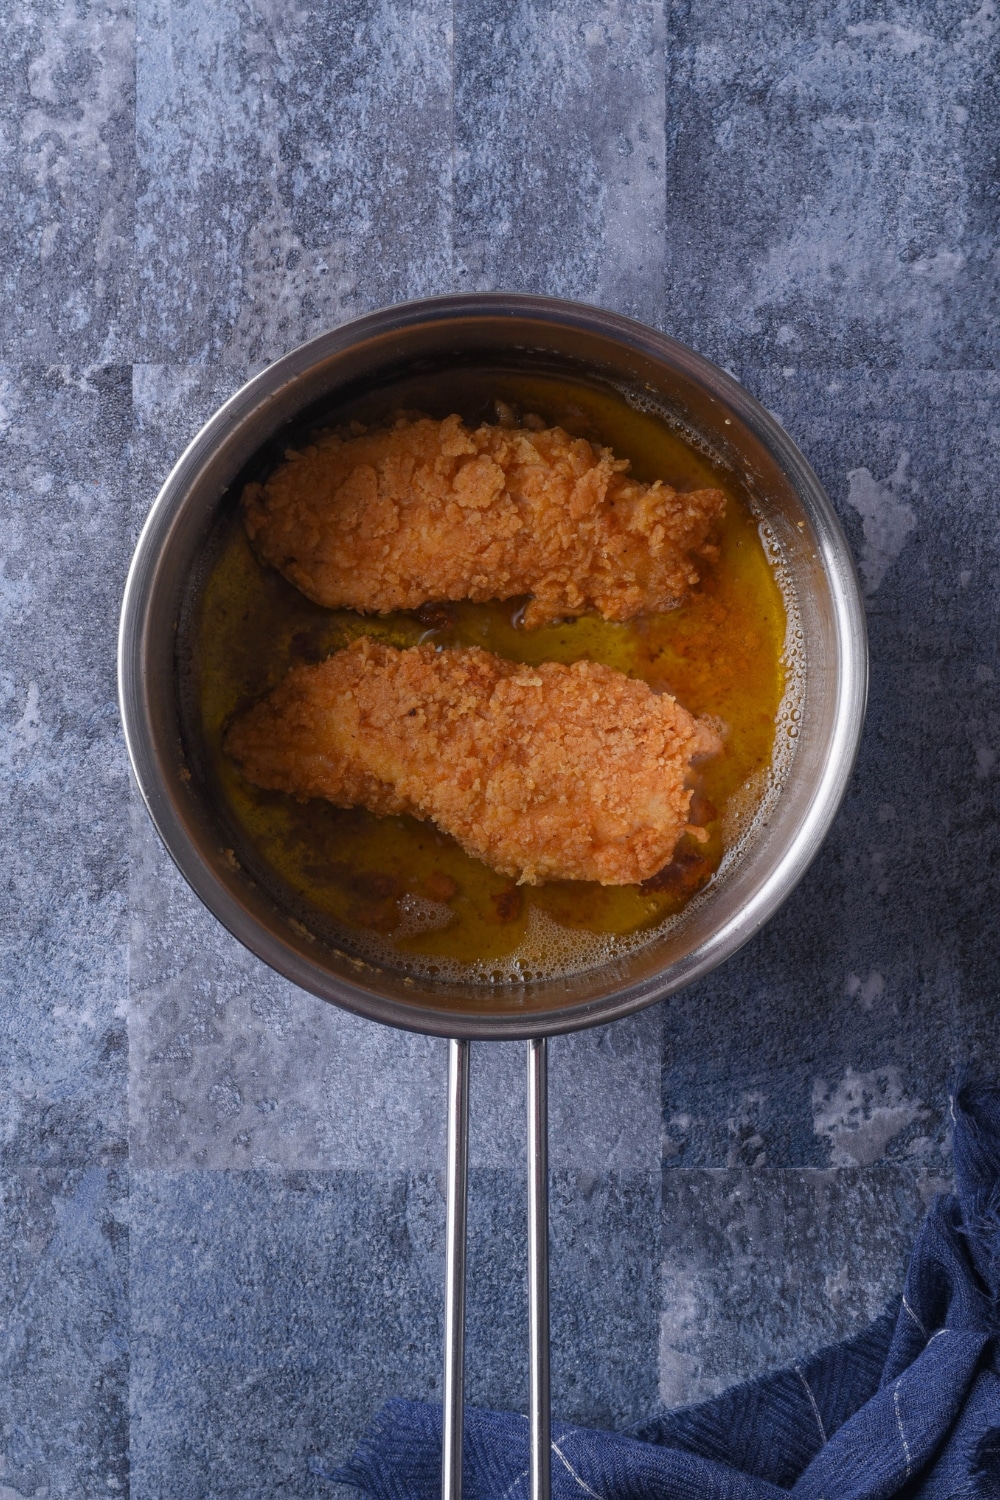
{"type": "Point", "coordinates": [538, 1269]}
{"type": "Point", "coordinates": [538, 1266]}
{"type": "Point", "coordinates": [454, 1271]}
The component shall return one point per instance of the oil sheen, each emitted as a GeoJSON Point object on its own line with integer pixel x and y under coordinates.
{"type": "Point", "coordinates": [399, 889]}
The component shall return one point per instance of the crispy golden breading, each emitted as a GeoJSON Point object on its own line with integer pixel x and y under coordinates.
{"type": "Point", "coordinates": [432, 511]}
{"type": "Point", "coordinates": [545, 773]}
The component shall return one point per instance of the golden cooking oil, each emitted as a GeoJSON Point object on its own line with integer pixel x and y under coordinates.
{"type": "Point", "coordinates": [400, 885]}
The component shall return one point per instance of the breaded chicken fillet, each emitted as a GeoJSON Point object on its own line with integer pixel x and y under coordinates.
{"type": "Point", "coordinates": [428, 511]}
{"type": "Point", "coordinates": [544, 773]}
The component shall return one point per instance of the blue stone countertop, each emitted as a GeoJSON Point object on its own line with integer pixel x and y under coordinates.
{"type": "Point", "coordinates": [222, 1210]}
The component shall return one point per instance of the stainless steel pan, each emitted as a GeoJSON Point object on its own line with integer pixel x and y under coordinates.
{"type": "Point", "coordinates": [667, 377]}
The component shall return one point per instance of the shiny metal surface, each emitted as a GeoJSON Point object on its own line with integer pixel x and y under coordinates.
{"type": "Point", "coordinates": [540, 1401]}
{"type": "Point", "coordinates": [453, 1412]}
{"type": "Point", "coordinates": [648, 367]}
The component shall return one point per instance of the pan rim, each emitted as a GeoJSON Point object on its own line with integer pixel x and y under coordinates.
{"type": "Point", "coordinates": [264, 390]}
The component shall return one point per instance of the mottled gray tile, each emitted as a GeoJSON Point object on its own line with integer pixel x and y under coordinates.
{"type": "Point", "coordinates": [606, 1245]}
{"type": "Point", "coordinates": [170, 403]}
{"type": "Point", "coordinates": [231, 1066]}
{"type": "Point", "coordinates": [63, 443]}
{"type": "Point", "coordinates": [66, 200]}
{"type": "Point", "coordinates": [835, 1034]}
{"type": "Point", "coordinates": [604, 1098]}
{"type": "Point", "coordinates": [605, 1248]}
{"type": "Point", "coordinates": [63, 1360]}
{"type": "Point", "coordinates": [559, 135]}
{"type": "Point", "coordinates": [829, 182]}
{"type": "Point", "coordinates": [294, 169]}
{"type": "Point", "coordinates": [762, 1267]}
{"type": "Point", "coordinates": [270, 1317]}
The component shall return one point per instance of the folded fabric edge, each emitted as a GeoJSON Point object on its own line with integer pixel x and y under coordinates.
{"type": "Point", "coordinates": [394, 1426]}
{"type": "Point", "coordinates": [410, 1430]}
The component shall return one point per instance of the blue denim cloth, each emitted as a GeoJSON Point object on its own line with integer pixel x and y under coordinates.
{"type": "Point", "coordinates": [910, 1407]}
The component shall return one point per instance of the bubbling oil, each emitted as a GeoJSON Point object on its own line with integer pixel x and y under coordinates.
{"type": "Point", "coordinates": [398, 892]}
